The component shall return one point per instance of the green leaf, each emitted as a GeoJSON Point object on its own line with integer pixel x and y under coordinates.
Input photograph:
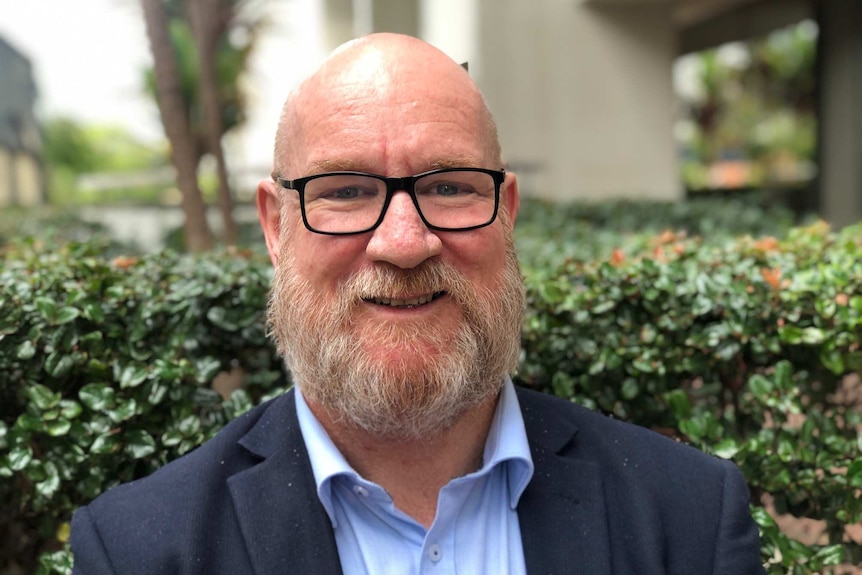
{"type": "Point", "coordinates": [790, 334]}
{"type": "Point", "coordinates": [679, 403]}
{"type": "Point", "coordinates": [830, 555]}
{"type": "Point", "coordinates": [760, 386]}
{"type": "Point", "coordinates": [133, 376]}
{"type": "Point", "coordinates": [726, 449]}
{"type": "Point", "coordinates": [58, 427]}
{"type": "Point", "coordinates": [854, 474]}
{"type": "Point", "coordinates": [832, 360]}
{"type": "Point", "coordinates": [49, 486]}
{"type": "Point", "coordinates": [189, 425]}
{"type": "Point", "coordinates": [139, 443]}
{"type": "Point", "coordinates": [97, 396]}
{"type": "Point", "coordinates": [207, 368]}
{"type": "Point", "coordinates": [58, 364]}
{"type": "Point", "coordinates": [46, 306]}
{"type": "Point", "coordinates": [157, 393]}
{"type": "Point", "coordinates": [29, 422]}
{"type": "Point", "coordinates": [42, 397]}
{"type": "Point", "coordinates": [70, 409]}
{"type": "Point", "coordinates": [26, 350]}
{"type": "Point", "coordinates": [630, 388]}
{"type": "Point", "coordinates": [813, 335]}
{"type": "Point", "coordinates": [218, 316]}
{"type": "Point", "coordinates": [93, 312]}
{"type": "Point", "coordinates": [784, 375]}
{"type": "Point", "coordinates": [20, 457]}
{"type": "Point", "coordinates": [604, 306]}
{"type": "Point", "coordinates": [693, 428]}
{"type": "Point", "coordinates": [66, 315]}
{"type": "Point", "coordinates": [126, 410]}
{"type": "Point", "coordinates": [171, 438]}
{"type": "Point", "coordinates": [206, 396]}
{"type": "Point", "coordinates": [105, 444]}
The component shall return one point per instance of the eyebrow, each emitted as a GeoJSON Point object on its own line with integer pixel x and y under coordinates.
{"type": "Point", "coordinates": [323, 166]}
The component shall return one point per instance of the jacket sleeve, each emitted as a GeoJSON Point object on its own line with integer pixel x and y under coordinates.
{"type": "Point", "coordinates": [90, 555]}
{"type": "Point", "coordinates": [738, 545]}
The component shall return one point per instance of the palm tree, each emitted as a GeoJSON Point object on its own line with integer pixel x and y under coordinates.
{"type": "Point", "coordinates": [175, 120]}
{"type": "Point", "coordinates": [209, 21]}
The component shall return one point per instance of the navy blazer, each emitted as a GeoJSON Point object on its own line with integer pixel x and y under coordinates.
{"type": "Point", "coordinates": [606, 498]}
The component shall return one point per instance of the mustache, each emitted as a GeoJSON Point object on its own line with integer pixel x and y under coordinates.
{"type": "Point", "coordinates": [388, 281]}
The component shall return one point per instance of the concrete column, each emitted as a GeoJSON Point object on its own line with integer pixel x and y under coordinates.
{"type": "Point", "coordinates": [400, 16]}
{"type": "Point", "coordinates": [347, 19]}
{"type": "Point", "coordinates": [29, 180]}
{"type": "Point", "coordinates": [6, 182]}
{"type": "Point", "coordinates": [452, 26]}
{"type": "Point", "coordinates": [338, 24]}
{"type": "Point", "coordinates": [583, 95]}
{"type": "Point", "coordinates": [840, 118]}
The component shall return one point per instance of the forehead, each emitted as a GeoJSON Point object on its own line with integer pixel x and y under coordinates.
{"type": "Point", "coordinates": [389, 120]}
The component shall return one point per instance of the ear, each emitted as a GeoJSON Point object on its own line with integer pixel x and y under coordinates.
{"type": "Point", "coordinates": [509, 196]}
{"type": "Point", "coordinates": [269, 214]}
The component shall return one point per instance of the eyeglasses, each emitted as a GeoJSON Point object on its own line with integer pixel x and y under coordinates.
{"type": "Point", "coordinates": [451, 199]}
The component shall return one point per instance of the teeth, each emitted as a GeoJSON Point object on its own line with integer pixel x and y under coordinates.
{"type": "Point", "coordinates": [404, 303]}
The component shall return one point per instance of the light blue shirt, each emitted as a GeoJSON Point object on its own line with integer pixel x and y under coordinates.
{"type": "Point", "coordinates": [476, 528]}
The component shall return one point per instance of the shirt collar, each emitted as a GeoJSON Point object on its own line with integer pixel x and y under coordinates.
{"type": "Point", "coordinates": [506, 445]}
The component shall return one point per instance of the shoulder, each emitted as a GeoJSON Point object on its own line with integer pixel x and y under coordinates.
{"type": "Point", "coordinates": [218, 458]}
{"type": "Point", "coordinates": [627, 450]}
{"type": "Point", "coordinates": [147, 525]}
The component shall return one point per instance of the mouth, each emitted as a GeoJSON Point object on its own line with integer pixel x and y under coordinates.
{"type": "Point", "coordinates": [405, 303]}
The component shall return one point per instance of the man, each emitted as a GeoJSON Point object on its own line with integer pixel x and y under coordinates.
{"type": "Point", "coordinates": [404, 448]}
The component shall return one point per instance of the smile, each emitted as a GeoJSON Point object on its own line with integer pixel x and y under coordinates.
{"type": "Point", "coordinates": [405, 303]}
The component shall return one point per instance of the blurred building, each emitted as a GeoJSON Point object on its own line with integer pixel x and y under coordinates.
{"type": "Point", "coordinates": [21, 174]}
{"type": "Point", "coordinates": [582, 89]}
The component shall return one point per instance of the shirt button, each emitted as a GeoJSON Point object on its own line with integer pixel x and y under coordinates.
{"type": "Point", "coordinates": [361, 491]}
{"type": "Point", "coordinates": [435, 553]}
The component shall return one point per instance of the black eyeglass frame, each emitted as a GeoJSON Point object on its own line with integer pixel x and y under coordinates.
{"type": "Point", "coordinates": [393, 185]}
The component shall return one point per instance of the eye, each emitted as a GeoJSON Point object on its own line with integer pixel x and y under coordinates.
{"type": "Point", "coordinates": [345, 193]}
{"type": "Point", "coordinates": [447, 189]}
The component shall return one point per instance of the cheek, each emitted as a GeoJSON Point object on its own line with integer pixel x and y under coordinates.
{"type": "Point", "coordinates": [326, 261]}
{"type": "Point", "coordinates": [480, 255]}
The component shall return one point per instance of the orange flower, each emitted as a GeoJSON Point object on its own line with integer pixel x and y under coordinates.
{"type": "Point", "coordinates": [667, 237]}
{"type": "Point", "coordinates": [767, 244]}
{"type": "Point", "coordinates": [124, 262]}
{"type": "Point", "coordinates": [772, 276]}
{"type": "Point", "coordinates": [617, 257]}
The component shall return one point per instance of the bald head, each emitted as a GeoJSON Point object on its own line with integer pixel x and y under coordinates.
{"type": "Point", "coordinates": [390, 78]}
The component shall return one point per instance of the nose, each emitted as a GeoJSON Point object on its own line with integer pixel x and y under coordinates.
{"type": "Point", "coordinates": [402, 238]}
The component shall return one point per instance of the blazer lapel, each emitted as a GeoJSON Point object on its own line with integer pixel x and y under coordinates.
{"type": "Point", "coordinates": [284, 526]}
{"type": "Point", "coordinates": [562, 512]}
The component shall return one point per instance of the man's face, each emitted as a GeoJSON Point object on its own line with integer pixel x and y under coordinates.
{"type": "Point", "coordinates": [402, 329]}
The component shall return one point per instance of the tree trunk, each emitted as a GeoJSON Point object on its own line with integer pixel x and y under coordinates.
{"type": "Point", "coordinates": [209, 20]}
{"type": "Point", "coordinates": [177, 127]}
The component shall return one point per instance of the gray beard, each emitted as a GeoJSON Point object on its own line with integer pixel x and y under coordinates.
{"type": "Point", "coordinates": [403, 398]}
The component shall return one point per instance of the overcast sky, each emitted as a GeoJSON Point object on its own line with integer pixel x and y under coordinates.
{"type": "Point", "coordinates": [88, 58]}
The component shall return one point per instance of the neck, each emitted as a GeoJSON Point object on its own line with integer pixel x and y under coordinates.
{"type": "Point", "coordinates": [413, 471]}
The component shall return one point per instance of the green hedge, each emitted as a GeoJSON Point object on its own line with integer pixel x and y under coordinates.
{"type": "Point", "coordinates": [106, 366]}
{"type": "Point", "coordinates": [548, 233]}
{"type": "Point", "coordinates": [736, 346]}
{"type": "Point", "coordinates": [740, 350]}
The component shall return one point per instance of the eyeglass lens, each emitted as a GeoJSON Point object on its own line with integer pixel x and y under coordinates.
{"type": "Point", "coordinates": [340, 203]}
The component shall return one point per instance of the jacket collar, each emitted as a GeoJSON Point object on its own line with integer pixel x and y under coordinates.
{"type": "Point", "coordinates": [283, 533]}
{"type": "Point", "coordinates": [562, 513]}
